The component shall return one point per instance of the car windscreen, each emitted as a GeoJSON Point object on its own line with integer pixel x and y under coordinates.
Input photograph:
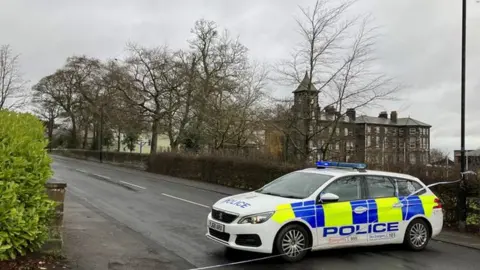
{"type": "Point", "coordinates": [298, 185]}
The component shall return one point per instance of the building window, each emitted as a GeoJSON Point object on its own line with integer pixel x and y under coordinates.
{"type": "Point", "coordinates": [369, 129]}
{"type": "Point", "coordinates": [377, 130]}
{"type": "Point", "coordinates": [386, 130]}
{"type": "Point", "coordinates": [394, 131]}
{"type": "Point", "coordinates": [337, 131]}
{"type": "Point", "coordinates": [377, 142]}
{"type": "Point", "coordinates": [394, 143]}
{"type": "Point", "coordinates": [412, 158]}
{"type": "Point", "coordinates": [330, 129]}
{"type": "Point", "coordinates": [369, 141]}
{"type": "Point", "coordinates": [426, 131]}
{"type": "Point", "coordinates": [412, 131]}
{"type": "Point", "coordinates": [412, 143]}
{"type": "Point", "coordinates": [400, 132]}
{"type": "Point", "coordinates": [346, 131]}
{"type": "Point", "coordinates": [350, 145]}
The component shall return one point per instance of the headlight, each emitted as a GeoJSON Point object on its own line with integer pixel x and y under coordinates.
{"type": "Point", "coordinates": [256, 219]}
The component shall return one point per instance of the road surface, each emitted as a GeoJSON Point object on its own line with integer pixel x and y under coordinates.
{"type": "Point", "coordinates": [170, 214]}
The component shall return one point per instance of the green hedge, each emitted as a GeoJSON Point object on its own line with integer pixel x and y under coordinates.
{"type": "Point", "coordinates": [25, 209]}
{"type": "Point", "coordinates": [231, 172]}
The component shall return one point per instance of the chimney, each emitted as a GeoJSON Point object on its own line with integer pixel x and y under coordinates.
{"type": "Point", "coordinates": [351, 114]}
{"type": "Point", "coordinates": [383, 115]}
{"type": "Point", "coordinates": [393, 116]}
{"type": "Point", "coordinates": [330, 109]}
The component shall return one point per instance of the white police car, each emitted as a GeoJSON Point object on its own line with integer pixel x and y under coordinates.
{"type": "Point", "coordinates": [332, 206]}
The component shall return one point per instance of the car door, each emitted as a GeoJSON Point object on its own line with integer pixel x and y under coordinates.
{"type": "Point", "coordinates": [337, 222]}
{"type": "Point", "coordinates": [386, 210]}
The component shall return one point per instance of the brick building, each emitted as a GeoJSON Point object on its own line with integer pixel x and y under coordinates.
{"type": "Point", "coordinates": [472, 158]}
{"type": "Point", "coordinates": [333, 135]}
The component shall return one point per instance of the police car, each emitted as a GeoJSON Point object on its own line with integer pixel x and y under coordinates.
{"type": "Point", "coordinates": [334, 205]}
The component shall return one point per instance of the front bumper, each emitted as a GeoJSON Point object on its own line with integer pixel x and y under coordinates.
{"type": "Point", "coordinates": [248, 237]}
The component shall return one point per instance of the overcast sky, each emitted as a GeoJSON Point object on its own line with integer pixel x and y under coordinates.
{"type": "Point", "coordinates": [420, 43]}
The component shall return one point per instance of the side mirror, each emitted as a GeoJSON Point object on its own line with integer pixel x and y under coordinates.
{"type": "Point", "coordinates": [328, 197]}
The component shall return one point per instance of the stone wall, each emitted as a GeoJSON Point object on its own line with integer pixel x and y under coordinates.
{"type": "Point", "coordinates": [56, 192]}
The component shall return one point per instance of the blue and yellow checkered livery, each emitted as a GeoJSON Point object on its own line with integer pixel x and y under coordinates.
{"type": "Point", "coordinates": [379, 210]}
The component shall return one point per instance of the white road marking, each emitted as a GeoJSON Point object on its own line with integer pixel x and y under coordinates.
{"type": "Point", "coordinates": [133, 185]}
{"type": "Point", "coordinates": [82, 171]}
{"type": "Point", "coordinates": [173, 197]}
{"type": "Point", "coordinates": [101, 176]}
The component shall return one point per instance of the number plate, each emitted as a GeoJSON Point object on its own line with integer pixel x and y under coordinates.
{"type": "Point", "coordinates": [216, 226]}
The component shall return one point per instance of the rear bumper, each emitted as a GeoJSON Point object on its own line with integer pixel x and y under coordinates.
{"type": "Point", "coordinates": [436, 221]}
{"type": "Point", "coordinates": [247, 237]}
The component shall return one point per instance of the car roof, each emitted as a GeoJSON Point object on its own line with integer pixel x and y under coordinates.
{"type": "Point", "coordinates": [344, 172]}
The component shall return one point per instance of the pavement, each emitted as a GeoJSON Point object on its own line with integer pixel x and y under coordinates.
{"type": "Point", "coordinates": [120, 218]}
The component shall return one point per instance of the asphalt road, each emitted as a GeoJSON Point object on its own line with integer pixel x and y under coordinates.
{"type": "Point", "coordinates": [170, 214]}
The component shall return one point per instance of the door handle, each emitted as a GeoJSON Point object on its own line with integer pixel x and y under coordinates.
{"type": "Point", "coordinates": [360, 210]}
{"type": "Point", "coordinates": [398, 205]}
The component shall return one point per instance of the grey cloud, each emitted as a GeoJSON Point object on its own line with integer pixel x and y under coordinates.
{"type": "Point", "coordinates": [420, 43]}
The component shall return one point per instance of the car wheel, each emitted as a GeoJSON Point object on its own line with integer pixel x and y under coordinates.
{"type": "Point", "coordinates": [417, 235]}
{"type": "Point", "coordinates": [292, 243]}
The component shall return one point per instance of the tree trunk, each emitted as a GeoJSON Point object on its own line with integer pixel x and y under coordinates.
{"type": "Point", "coordinates": [174, 146]}
{"type": "Point", "coordinates": [51, 124]}
{"type": "Point", "coordinates": [153, 145]}
{"type": "Point", "coordinates": [73, 138]}
{"type": "Point", "coordinates": [119, 143]}
{"type": "Point", "coordinates": [85, 137]}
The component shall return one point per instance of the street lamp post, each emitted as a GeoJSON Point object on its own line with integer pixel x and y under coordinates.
{"type": "Point", "coordinates": [461, 200]}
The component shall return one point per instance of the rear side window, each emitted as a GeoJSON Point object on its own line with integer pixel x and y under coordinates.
{"type": "Point", "coordinates": [407, 187]}
{"type": "Point", "coordinates": [379, 186]}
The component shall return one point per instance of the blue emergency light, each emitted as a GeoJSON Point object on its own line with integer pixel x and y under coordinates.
{"type": "Point", "coordinates": [335, 164]}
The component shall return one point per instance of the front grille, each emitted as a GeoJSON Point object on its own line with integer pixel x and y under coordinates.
{"type": "Point", "coordinates": [249, 240]}
{"type": "Point", "coordinates": [223, 217]}
{"type": "Point", "coordinates": [220, 235]}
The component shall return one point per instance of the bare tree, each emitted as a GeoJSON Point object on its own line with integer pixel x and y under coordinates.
{"type": "Point", "coordinates": [58, 89]}
{"type": "Point", "coordinates": [437, 155]}
{"type": "Point", "coordinates": [222, 62]}
{"type": "Point", "coordinates": [151, 81]}
{"type": "Point", "coordinates": [335, 54]}
{"type": "Point", "coordinates": [48, 111]}
{"type": "Point", "coordinates": [12, 85]}
{"type": "Point", "coordinates": [181, 84]}
{"type": "Point", "coordinates": [122, 117]}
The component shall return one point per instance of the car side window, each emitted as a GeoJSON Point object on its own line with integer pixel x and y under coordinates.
{"type": "Point", "coordinates": [347, 188]}
{"type": "Point", "coordinates": [407, 187]}
{"type": "Point", "coordinates": [379, 186]}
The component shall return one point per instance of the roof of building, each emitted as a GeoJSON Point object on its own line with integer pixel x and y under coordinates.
{"type": "Point", "coordinates": [363, 119]}
{"type": "Point", "coordinates": [303, 86]}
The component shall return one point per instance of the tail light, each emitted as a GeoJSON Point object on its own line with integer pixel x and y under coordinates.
{"type": "Point", "coordinates": [437, 204]}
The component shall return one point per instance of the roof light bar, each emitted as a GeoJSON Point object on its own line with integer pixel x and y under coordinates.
{"type": "Point", "coordinates": [335, 164]}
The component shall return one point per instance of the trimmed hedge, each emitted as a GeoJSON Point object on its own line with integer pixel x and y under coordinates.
{"type": "Point", "coordinates": [231, 172]}
{"type": "Point", "coordinates": [25, 209]}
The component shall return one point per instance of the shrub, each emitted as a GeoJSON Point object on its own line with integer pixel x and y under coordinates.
{"type": "Point", "coordinates": [227, 171]}
{"type": "Point", "coordinates": [25, 209]}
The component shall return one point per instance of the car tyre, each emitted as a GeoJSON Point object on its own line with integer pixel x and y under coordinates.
{"type": "Point", "coordinates": [292, 243]}
{"type": "Point", "coordinates": [417, 235]}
